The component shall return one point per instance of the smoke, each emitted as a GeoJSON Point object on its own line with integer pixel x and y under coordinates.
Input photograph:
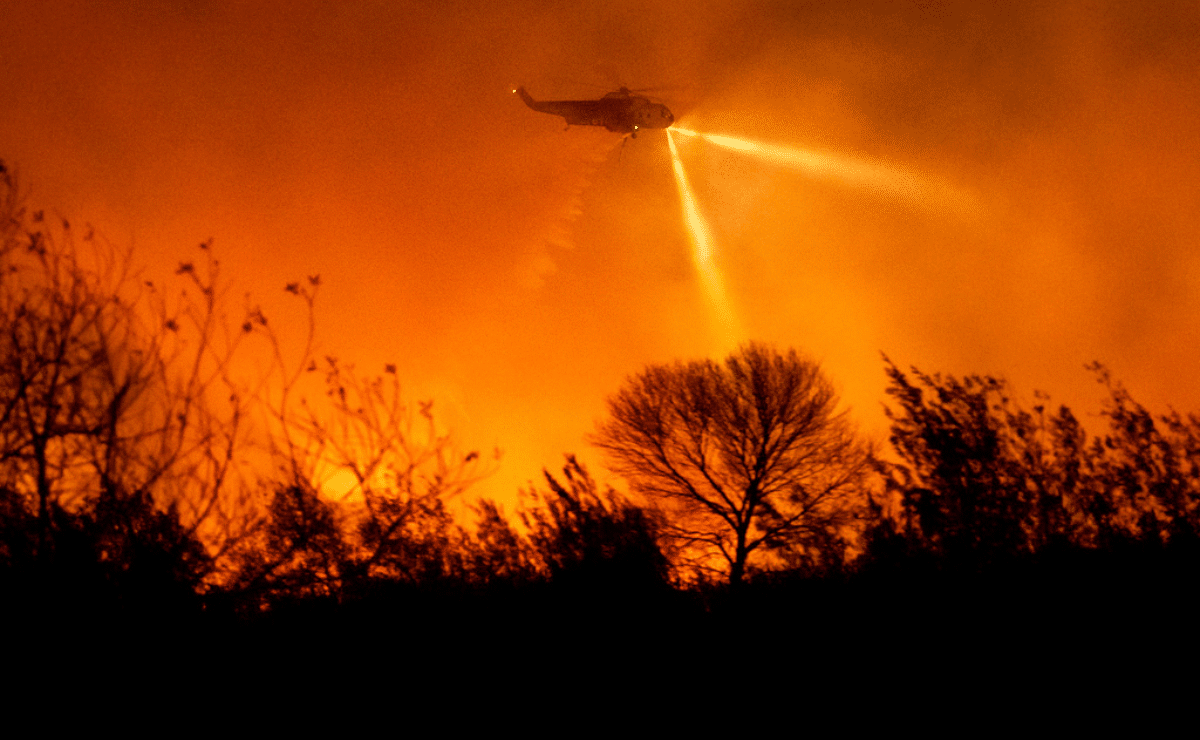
{"type": "Point", "coordinates": [379, 145]}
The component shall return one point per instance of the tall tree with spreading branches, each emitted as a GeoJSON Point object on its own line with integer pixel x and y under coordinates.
{"type": "Point", "coordinates": [749, 460]}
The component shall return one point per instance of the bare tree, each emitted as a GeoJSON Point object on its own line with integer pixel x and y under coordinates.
{"type": "Point", "coordinates": [112, 394]}
{"type": "Point", "coordinates": [402, 466]}
{"type": "Point", "coordinates": [749, 460]}
{"type": "Point", "coordinates": [121, 412]}
{"type": "Point", "coordinates": [394, 466]}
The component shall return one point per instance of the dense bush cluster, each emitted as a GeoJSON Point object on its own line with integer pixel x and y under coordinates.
{"type": "Point", "coordinates": [979, 483]}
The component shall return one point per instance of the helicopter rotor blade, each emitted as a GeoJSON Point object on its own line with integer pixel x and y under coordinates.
{"type": "Point", "coordinates": [658, 88]}
{"type": "Point", "coordinates": [617, 86]}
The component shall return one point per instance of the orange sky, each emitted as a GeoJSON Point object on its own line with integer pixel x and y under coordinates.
{"type": "Point", "coordinates": [516, 272]}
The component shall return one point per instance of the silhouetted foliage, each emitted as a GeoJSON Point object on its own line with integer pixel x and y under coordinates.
{"type": "Point", "coordinates": [113, 456]}
{"type": "Point", "coordinates": [402, 466]}
{"type": "Point", "coordinates": [982, 482]}
{"type": "Point", "coordinates": [390, 527]}
{"type": "Point", "coordinates": [125, 496]}
{"type": "Point", "coordinates": [963, 487]}
{"type": "Point", "coordinates": [298, 552]}
{"type": "Point", "coordinates": [584, 535]}
{"type": "Point", "coordinates": [1151, 467]}
{"type": "Point", "coordinates": [746, 459]}
{"type": "Point", "coordinates": [496, 553]}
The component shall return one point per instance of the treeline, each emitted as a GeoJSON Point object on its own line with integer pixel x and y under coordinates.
{"type": "Point", "coordinates": [143, 482]}
{"type": "Point", "coordinates": [982, 483]}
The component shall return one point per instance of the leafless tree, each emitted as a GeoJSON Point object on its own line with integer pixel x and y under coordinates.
{"type": "Point", "coordinates": [392, 466]}
{"type": "Point", "coordinates": [750, 460]}
{"type": "Point", "coordinates": [118, 395]}
{"type": "Point", "coordinates": [110, 389]}
{"type": "Point", "coordinates": [400, 464]}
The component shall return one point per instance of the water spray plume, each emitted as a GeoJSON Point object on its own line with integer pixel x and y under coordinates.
{"type": "Point", "coordinates": [703, 252]}
{"type": "Point", "coordinates": [887, 180]}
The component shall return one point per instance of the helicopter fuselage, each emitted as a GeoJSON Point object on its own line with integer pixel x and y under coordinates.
{"type": "Point", "coordinates": [620, 112]}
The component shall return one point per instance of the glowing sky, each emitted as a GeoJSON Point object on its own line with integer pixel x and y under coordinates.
{"type": "Point", "coordinates": [516, 272]}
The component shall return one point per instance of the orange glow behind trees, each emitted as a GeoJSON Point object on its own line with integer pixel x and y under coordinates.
{"type": "Point", "coordinates": [515, 271]}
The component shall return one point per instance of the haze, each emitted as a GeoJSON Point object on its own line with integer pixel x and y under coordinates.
{"type": "Point", "coordinates": [516, 272]}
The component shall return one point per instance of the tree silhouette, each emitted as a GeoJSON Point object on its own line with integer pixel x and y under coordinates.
{"type": "Point", "coordinates": [963, 483]}
{"type": "Point", "coordinates": [390, 526]}
{"type": "Point", "coordinates": [118, 419]}
{"type": "Point", "coordinates": [298, 553]}
{"type": "Point", "coordinates": [982, 482]}
{"type": "Point", "coordinates": [749, 458]}
{"type": "Point", "coordinates": [1150, 468]}
{"type": "Point", "coordinates": [402, 466]}
{"type": "Point", "coordinates": [495, 553]}
{"type": "Point", "coordinates": [582, 535]}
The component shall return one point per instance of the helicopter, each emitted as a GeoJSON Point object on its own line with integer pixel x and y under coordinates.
{"type": "Point", "coordinates": [621, 111]}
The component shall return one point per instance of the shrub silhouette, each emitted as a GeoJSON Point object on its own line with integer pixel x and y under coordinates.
{"type": "Point", "coordinates": [982, 483]}
{"type": "Point", "coordinates": [583, 536]}
{"type": "Point", "coordinates": [113, 456]}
